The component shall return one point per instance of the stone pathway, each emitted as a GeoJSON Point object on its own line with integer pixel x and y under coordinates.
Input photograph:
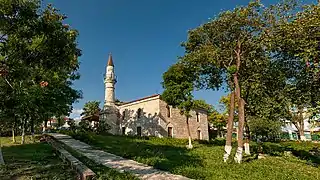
{"type": "Point", "coordinates": [112, 161]}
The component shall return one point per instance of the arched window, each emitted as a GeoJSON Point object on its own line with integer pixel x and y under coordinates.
{"type": "Point", "coordinates": [198, 117]}
{"type": "Point", "coordinates": [168, 111]}
{"type": "Point", "coordinates": [139, 112]}
{"type": "Point", "coordinates": [199, 135]}
{"type": "Point", "coordinates": [123, 115]}
{"type": "Point", "coordinates": [170, 132]}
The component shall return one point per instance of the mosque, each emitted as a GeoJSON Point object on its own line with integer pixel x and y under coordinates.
{"type": "Point", "coordinates": [148, 116]}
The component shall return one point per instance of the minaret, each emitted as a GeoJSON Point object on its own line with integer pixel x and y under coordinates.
{"type": "Point", "coordinates": [109, 81]}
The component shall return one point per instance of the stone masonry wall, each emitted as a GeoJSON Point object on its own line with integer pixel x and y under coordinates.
{"type": "Point", "coordinates": [148, 120]}
{"type": "Point", "coordinates": [178, 122]}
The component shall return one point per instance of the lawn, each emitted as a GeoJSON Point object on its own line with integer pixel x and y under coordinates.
{"type": "Point", "coordinates": [32, 161]}
{"type": "Point", "coordinates": [202, 162]}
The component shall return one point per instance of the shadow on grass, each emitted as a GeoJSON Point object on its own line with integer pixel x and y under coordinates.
{"type": "Point", "coordinates": [33, 161]}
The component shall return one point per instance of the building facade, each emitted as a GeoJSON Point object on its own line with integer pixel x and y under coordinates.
{"type": "Point", "coordinates": [149, 116]}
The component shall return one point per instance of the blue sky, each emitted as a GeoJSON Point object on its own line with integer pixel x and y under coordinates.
{"type": "Point", "coordinates": [144, 38]}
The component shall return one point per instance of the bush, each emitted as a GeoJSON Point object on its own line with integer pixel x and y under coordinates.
{"type": "Point", "coordinates": [102, 128]}
{"type": "Point", "coordinates": [303, 150]}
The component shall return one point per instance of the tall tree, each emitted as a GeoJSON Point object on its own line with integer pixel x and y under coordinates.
{"type": "Point", "coordinates": [228, 44]}
{"type": "Point", "coordinates": [41, 57]}
{"type": "Point", "coordinates": [295, 44]}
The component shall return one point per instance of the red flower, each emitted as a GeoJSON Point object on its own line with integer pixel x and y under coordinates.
{"type": "Point", "coordinates": [308, 64]}
{"type": "Point", "coordinates": [44, 83]}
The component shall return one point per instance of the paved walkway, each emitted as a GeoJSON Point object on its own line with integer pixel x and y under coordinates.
{"type": "Point", "coordinates": [112, 161]}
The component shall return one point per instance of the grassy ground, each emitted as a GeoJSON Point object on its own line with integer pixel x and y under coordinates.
{"type": "Point", "coordinates": [202, 162]}
{"type": "Point", "coordinates": [32, 161]}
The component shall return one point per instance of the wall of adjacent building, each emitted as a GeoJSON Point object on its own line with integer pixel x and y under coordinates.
{"type": "Point", "coordinates": [148, 120]}
{"type": "Point", "coordinates": [178, 122]}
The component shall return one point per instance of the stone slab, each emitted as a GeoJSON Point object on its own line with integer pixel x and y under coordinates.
{"type": "Point", "coordinates": [140, 170]}
{"type": "Point", "coordinates": [83, 171]}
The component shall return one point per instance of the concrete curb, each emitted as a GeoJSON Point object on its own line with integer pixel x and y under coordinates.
{"type": "Point", "coordinates": [83, 171]}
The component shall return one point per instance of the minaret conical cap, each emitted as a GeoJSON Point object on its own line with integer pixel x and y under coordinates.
{"type": "Point", "coordinates": [110, 62]}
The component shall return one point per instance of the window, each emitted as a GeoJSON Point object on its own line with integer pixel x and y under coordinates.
{"type": "Point", "coordinates": [170, 132]}
{"type": "Point", "coordinates": [139, 112]}
{"type": "Point", "coordinates": [168, 111]}
{"type": "Point", "coordinates": [123, 130]}
{"type": "Point", "coordinates": [198, 117]}
{"type": "Point", "coordinates": [123, 115]}
{"type": "Point", "coordinates": [139, 131]}
{"type": "Point", "coordinates": [199, 134]}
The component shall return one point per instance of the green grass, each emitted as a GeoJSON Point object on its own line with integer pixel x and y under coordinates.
{"type": "Point", "coordinates": [202, 162]}
{"type": "Point", "coordinates": [32, 161]}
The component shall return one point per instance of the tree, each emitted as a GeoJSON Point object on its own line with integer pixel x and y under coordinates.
{"type": "Point", "coordinates": [178, 87]}
{"type": "Point", "coordinates": [41, 56]}
{"type": "Point", "coordinates": [295, 34]}
{"type": "Point", "coordinates": [294, 43]}
{"type": "Point", "coordinates": [227, 45]}
{"type": "Point", "coordinates": [91, 108]}
{"type": "Point", "coordinates": [218, 120]}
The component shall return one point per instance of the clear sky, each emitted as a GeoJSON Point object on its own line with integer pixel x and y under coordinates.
{"type": "Point", "coordinates": [144, 38]}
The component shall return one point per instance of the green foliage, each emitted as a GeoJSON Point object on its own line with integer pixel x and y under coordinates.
{"type": "Point", "coordinates": [297, 35]}
{"type": "Point", "coordinates": [84, 125]}
{"type": "Point", "coordinates": [304, 150]}
{"type": "Point", "coordinates": [91, 108]}
{"type": "Point", "coordinates": [203, 105]}
{"type": "Point", "coordinates": [225, 103]}
{"type": "Point", "coordinates": [37, 49]}
{"type": "Point", "coordinates": [102, 128]}
{"type": "Point", "coordinates": [264, 127]}
{"type": "Point", "coordinates": [218, 120]}
{"type": "Point", "coordinates": [178, 87]}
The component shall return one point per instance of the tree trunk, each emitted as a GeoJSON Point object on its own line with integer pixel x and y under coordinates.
{"type": "Point", "coordinates": [228, 147]}
{"type": "Point", "coordinates": [247, 139]}
{"type": "Point", "coordinates": [299, 124]}
{"type": "Point", "coordinates": [32, 130]}
{"type": "Point", "coordinates": [13, 132]}
{"type": "Point", "coordinates": [13, 136]}
{"type": "Point", "coordinates": [238, 156]}
{"type": "Point", "coordinates": [189, 134]}
{"type": "Point", "coordinates": [300, 128]}
{"type": "Point", "coordinates": [23, 131]}
{"type": "Point", "coordinates": [241, 114]}
{"type": "Point", "coordinates": [45, 125]}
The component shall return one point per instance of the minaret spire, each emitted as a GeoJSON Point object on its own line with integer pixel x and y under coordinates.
{"type": "Point", "coordinates": [109, 82]}
{"type": "Point", "coordinates": [110, 61]}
